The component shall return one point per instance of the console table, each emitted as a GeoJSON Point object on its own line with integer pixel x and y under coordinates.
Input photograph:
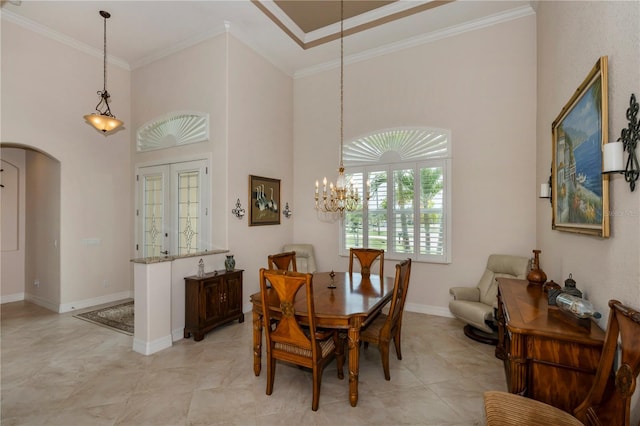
{"type": "Point", "coordinates": [546, 357]}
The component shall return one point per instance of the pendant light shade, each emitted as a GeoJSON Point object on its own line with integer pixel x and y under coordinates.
{"type": "Point", "coordinates": [103, 119]}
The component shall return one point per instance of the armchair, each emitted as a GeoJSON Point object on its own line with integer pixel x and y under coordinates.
{"type": "Point", "coordinates": [305, 257]}
{"type": "Point", "coordinates": [475, 305]}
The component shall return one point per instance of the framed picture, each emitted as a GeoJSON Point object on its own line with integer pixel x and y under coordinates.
{"type": "Point", "coordinates": [264, 200]}
{"type": "Point", "coordinates": [580, 194]}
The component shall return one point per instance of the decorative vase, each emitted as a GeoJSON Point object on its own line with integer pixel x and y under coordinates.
{"type": "Point", "coordinates": [230, 263]}
{"type": "Point", "coordinates": [536, 275]}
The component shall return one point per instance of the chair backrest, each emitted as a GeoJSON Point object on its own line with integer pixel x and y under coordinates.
{"type": "Point", "coordinates": [366, 257]}
{"type": "Point", "coordinates": [287, 330]}
{"type": "Point", "coordinates": [500, 265]}
{"type": "Point", "coordinates": [305, 256]}
{"type": "Point", "coordinates": [609, 399]}
{"type": "Point", "coordinates": [285, 261]}
{"type": "Point", "coordinates": [400, 289]}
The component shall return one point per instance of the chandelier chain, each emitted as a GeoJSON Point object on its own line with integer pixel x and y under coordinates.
{"type": "Point", "coordinates": [104, 60]}
{"type": "Point", "coordinates": [343, 196]}
{"type": "Point", "coordinates": [341, 81]}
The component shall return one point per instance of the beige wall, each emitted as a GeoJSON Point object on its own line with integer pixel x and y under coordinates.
{"type": "Point", "coordinates": [169, 85]}
{"type": "Point", "coordinates": [497, 89]}
{"type": "Point", "coordinates": [250, 106]}
{"type": "Point", "coordinates": [481, 86]}
{"type": "Point", "coordinates": [57, 84]}
{"type": "Point", "coordinates": [42, 236]}
{"type": "Point", "coordinates": [260, 143]}
{"type": "Point", "coordinates": [571, 38]}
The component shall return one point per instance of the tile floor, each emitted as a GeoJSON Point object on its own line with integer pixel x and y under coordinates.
{"type": "Point", "coordinates": [59, 370]}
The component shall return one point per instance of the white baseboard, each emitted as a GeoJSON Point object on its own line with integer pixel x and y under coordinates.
{"type": "Point", "coordinates": [41, 302]}
{"type": "Point", "coordinates": [177, 334]}
{"type": "Point", "coordinates": [428, 309]}
{"type": "Point", "coordinates": [11, 298]}
{"type": "Point", "coordinates": [148, 348]}
{"type": "Point", "coordinates": [87, 303]}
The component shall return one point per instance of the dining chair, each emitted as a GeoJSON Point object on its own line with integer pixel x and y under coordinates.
{"type": "Point", "coordinates": [285, 261]}
{"type": "Point", "coordinates": [608, 402]}
{"type": "Point", "coordinates": [366, 257]}
{"type": "Point", "coordinates": [386, 327]}
{"type": "Point", "coordinates": [288, 340]}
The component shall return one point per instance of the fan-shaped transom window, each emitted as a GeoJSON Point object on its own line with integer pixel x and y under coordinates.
{"type": "Point", "coordinates": [177, 128]}
{"type": "Point", "coordinates": [397, 145]}
{"type": "Point", "coordinates": [408, 212]}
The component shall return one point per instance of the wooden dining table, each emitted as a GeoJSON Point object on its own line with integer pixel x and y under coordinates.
{"type": "Point", "coordinates": [342, 301]}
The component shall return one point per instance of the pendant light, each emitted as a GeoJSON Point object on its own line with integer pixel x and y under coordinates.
{"type": "Point", "coordinates": [103, 119]}
{"type": "Point", "coordinates": [339, 197]}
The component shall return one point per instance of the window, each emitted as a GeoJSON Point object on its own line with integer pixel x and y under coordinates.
{"type": "Point", "coordinates": [409, 209]}
{"type": "Point", "coordinates": [172, 208]}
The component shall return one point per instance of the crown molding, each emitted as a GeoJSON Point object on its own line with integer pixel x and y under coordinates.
{"type": "Point", "coordinates": [185, 44]}
{"type": "Point", "coordinates": [61, 38]}
{"type": "Point", "coordinates": [452, 31]}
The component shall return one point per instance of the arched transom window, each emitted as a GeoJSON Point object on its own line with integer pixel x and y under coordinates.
{"type": "Point", "coordinates": [408, 212]}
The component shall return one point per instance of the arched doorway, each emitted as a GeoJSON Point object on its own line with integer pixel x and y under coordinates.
{"type": "Point", "coordinates": [30, 226]}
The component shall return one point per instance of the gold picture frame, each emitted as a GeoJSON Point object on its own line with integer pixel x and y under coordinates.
{"type": "Point", "coordinates": [580, 192]}
{"type": "Point", "coordinates": [264, 201]}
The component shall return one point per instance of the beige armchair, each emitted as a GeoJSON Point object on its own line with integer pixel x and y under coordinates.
{"type": "Point", "coordinates": [475, 305]}
{"type": "Point", "coordinates": [305, 257]}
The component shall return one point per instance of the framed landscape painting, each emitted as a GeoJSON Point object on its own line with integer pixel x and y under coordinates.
{"type": "Point", "coordinates": [580, 194]}
{"type": "Point", "coordinates": [264, 201]}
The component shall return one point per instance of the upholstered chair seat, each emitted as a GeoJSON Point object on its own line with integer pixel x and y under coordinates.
{"type": "Point", "coordinates": [475, 305]}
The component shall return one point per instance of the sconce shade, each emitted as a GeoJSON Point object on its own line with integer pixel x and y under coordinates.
{"type": "Point", "coordinates": [612, 157]}
{"type": "Point", "coordinates": [104, 123]}
{"type": "Point", "coordinates": [544, 190]}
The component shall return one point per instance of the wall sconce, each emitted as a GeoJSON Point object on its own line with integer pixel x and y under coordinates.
{"type": "Point", "coordinates": [238, 211]}
{"type": "Point", "coordinates": [613, 156]}
{"type": "Point", "coordinates": [546, 190]}
{"type": "Point", "coordinates": [286, 212]}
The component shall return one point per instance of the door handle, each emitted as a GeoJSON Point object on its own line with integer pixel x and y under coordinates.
{"type": "Point", "coordinates": [166, 252]}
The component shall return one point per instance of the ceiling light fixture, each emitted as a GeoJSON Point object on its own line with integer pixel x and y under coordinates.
{"type": "Point", "coordinates": [102, 119]}
{"type": "Point", "coordinates": [340, 197]}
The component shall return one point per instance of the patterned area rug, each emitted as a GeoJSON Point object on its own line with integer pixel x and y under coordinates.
{"type": "Point", "coordinates": [118, 317]}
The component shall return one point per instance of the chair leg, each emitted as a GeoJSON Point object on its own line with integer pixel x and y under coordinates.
{"type": "Point", "coordinates": [384, 354]}
{"type": "Point", "coordinates": [271, 373]}
{"type": "Point", "coordinates": [396, 342]}
{"type": "Point", "coordinates": [317, 380]}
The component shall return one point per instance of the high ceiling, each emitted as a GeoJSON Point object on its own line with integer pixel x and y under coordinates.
{"type": "Point", "coordinates": [295, 35]}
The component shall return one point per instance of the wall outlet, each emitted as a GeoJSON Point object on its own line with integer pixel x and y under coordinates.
{"type": "Point", "coordinates": [36, 283]}
{"type": "Point", "coordinates": [105, 283]}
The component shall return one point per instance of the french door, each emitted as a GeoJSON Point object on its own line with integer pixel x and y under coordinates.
{"type": "Point", "coordinates": [172, 209]}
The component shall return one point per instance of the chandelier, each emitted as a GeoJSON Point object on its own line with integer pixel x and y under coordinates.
{"type": "Point", "coordinates": [338, 197]}
{"type": "Point", "coordinates": [102, 119]}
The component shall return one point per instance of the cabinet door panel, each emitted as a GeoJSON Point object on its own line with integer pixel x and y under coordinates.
{"type": "Point", "coordinates": [213, 301]}
{"type": "Point", "coordinates": [234, 294]}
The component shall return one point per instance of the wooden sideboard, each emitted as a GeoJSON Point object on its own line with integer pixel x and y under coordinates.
{"type": "Point", "coordinates": [546, 356]}
{"type": "Point", "coordinates": [212, 300]}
